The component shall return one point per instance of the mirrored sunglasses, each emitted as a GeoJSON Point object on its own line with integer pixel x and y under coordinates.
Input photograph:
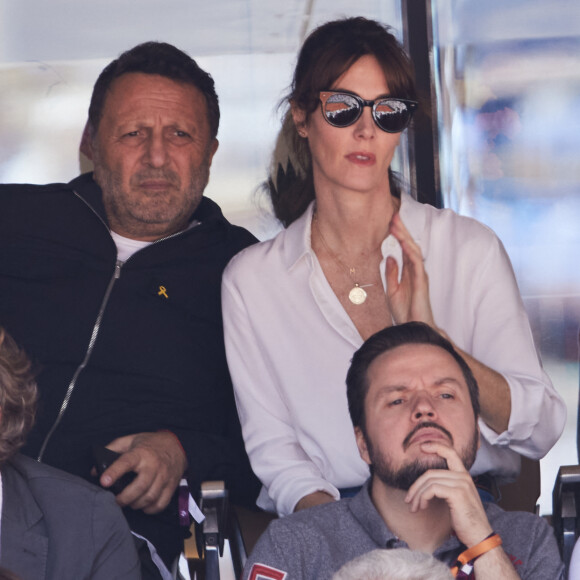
{"type": "Point", "coordinates": [341, 109]}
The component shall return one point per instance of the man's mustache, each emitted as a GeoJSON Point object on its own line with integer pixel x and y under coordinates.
{"type": "Point", "coordinates": [426, 424]}
{"type": "Point", "coordinates": [165, 174]}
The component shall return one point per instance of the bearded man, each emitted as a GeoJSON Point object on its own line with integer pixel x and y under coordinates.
{"type": "Point", "coordinates": [414, 405]}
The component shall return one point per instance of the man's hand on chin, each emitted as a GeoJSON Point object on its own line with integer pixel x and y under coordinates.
{"type": "Point", "coordinates": [159, 462]}
{"type": "Point", "coordinates": [455, 486]}
{"type": "Point", "coordinates": [468, 518]}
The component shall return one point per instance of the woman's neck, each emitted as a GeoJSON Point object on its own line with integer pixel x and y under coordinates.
{"type": "Point", "coordinates": [356, 223]}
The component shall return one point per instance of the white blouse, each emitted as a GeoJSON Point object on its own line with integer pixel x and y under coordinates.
{"type": "Point", "coordinates": [289, 343]}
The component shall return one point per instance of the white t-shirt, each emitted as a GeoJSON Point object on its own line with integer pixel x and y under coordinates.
{"type": "Point", "coordinates": [574, 570]}
{"type": "Point", "coordinates": [126, 247]}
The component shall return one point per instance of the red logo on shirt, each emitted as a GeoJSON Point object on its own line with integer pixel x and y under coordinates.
{"type": "Point", "coordinates": [515, 561]}
{"type": "Point", "coordinates": [262, 572]}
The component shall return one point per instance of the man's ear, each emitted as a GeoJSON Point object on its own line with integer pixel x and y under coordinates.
{"type": "Point", "coordinates": [212, 149]}
{"type": "Point", "coordinates": [361, 443]}
{"type": "Point", "coordinates": [299, 117]}
{"type": "Point", "coordinates": [86, 146]}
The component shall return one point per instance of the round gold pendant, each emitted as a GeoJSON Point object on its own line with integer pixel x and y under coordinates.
{"type": "Point", "coordinates": [357, 295]}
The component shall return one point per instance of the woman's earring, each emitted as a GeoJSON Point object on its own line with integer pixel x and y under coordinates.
{"type": "Point", "coordinates": [302, 132]}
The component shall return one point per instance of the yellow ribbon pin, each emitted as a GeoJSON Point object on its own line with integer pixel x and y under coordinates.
{"type": "Point", "coordinates": [162, 292]}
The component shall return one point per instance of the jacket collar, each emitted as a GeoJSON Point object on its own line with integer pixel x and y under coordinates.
{"type": "Point", "coordinates": [296, 238]}
{"type": "Point", "coordinates": [364, 511]}
{"type": "Point", "coordinates": [24, 539]}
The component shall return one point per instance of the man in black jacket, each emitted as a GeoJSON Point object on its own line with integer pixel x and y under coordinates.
{"type": "Point", "coordinates": [111, 283]}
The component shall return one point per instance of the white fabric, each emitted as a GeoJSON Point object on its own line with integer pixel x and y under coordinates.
{"type": "Point", "coordinates": [289, 343]}
{"type": "Point", "coordinates": [126, 247]}
{"type": "Point", "coordinates": [574, 570]}
{"type": "Point", "coordinates": [156, 558]}
{"type": "Point", "coordinates": [192, 506]}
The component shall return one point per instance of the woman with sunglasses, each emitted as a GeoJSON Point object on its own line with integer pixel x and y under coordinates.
{"type": "Point", "coordinates": [358, 254]}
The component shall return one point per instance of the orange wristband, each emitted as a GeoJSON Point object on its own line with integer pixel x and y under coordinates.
{"type": "Point", "coordinates": [465, 559]}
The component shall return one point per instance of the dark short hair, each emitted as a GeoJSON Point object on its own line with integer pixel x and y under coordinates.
{"type": "Point", "coordinates": [17, 397]}
{"type": "Point", "coordinates": [329, 51]}
{"type": "Point", "coordinates": [156, 58]}
{"type": "Point", "coordinates": [357, 384]}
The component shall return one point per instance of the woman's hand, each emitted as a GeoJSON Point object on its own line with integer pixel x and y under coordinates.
{"type": "Point", "coordinates": [408, 299]}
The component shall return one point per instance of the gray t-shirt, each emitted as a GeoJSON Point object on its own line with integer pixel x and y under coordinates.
{"type": "Point", "coordinates": [315, 543]}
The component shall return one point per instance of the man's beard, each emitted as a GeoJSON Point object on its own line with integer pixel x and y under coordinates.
{"type": "Point", "coordinates": [158, 213]}
{"type": "Point", "coordinates": [404, 477]}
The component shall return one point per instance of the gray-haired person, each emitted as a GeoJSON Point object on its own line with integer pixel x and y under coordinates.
{"type": "Point", "coordinates": [394, 565]}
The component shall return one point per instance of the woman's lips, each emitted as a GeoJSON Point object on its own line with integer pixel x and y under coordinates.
{"type": "Point", "coordinates": [361, 158]}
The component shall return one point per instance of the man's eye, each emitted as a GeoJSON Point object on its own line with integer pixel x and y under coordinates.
{"type": "Point", "coordinates": [181, 134]}
{"type": "Point", "coordinates": [447, 396]}
{"type": "Point", "coordinates": [396, 402]}
{"type": "Point", "coordinates": [131, 134]}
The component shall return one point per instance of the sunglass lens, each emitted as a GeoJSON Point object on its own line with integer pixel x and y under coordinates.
{"type": "Point", "coordinates": [392, 116]}
{"type": "Point", "coordinates": [341, 110]}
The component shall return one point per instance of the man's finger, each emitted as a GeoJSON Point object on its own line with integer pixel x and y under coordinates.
{"type": "Point", "coordinates": [124, 464]}
{"type": "Point", "coordinates": [134, 493]}
{"type": "Point", "coordinates": [142, 493]}
{"type": "Point", "coordinates": [160, 502]}
{"type": "Point", "coordinates": [152, 493]}
{"type": "Point", "coordinates": [454, 462]}
{"type": "Point", "coordinates": [440, 488]}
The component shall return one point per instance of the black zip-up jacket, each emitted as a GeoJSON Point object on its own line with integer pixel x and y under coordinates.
{"type": "Point", "coordinates": [135, 347]}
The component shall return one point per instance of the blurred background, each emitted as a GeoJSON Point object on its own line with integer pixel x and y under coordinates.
{"type": "Point", "coordinates": [505, 82]}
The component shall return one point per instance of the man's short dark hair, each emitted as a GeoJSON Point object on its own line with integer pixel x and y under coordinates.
{"type": "Point", "coordinates": [155, 58]}
{"type": "Point", "coordinates": [357, 384]}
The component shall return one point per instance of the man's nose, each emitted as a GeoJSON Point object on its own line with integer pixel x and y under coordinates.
{"type": "Point", "coordinates": [423, 407]}
{"type": "Point", "coordinates": [156, 151]}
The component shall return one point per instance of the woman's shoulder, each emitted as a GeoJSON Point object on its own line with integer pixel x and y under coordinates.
{"type": "Point", "coordinates": [279, 252]}
{"type": "Point", "coordinates": [266, 255]}
{"type": "Point", "coordinates": [254, 253]}
{"type": "Point", "coordinates": [444, 221]}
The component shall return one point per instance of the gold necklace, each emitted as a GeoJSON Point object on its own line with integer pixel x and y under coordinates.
{"type": "Point", "coordinates": [357, 294]}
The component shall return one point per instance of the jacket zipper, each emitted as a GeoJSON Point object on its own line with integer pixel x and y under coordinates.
{"type": "Point", "coordinates": [94, 334]}
{"type": "Point", "coordinates": [83, 364]}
